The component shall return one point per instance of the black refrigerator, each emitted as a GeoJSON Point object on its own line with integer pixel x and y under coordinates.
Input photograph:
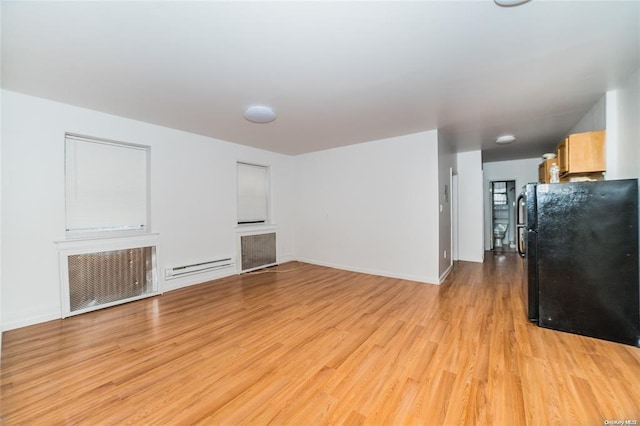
{"type": "Point", "coordinates": [579, 241]}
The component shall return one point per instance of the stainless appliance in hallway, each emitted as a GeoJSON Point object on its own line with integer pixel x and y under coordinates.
{"type": "Point", "coordinates": [580, 243]}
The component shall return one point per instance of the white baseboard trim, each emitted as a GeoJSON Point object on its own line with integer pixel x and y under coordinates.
{"type": "Point", "coordinates": [286, 258]}
{"type": "Point", "coordinates": [31, 320]}
{"type": "Point", "coordinates": [427, 280]}
{"type": "Point", "coordinates": [446, 273]}
{"type": "Point", "coordinates": [474, 259]}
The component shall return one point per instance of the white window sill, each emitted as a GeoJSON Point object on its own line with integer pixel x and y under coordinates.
{"type": "Point", "coordinates": [252, 227]}
{"type": "Point", "coordinates": [79, 235]}
{"type": "Point", "coordinates": [112, 240]}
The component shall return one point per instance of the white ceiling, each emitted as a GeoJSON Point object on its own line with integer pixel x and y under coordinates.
{"type": "Point", "coordinates": [337, 73]}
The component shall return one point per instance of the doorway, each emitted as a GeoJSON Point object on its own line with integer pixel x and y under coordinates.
{"type": "Point", "coordinates": [503, 215]}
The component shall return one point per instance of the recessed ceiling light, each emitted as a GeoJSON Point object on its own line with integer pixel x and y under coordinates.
{"type": "Point", "coordinates": [510, 3]}
{"type": "Point", "coordinates": [260, 114]}
{"type": "Point", "coordinates": [505, 139]}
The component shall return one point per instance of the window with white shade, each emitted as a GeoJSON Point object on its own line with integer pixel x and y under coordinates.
{"type": "Point", "coordinates": [253, 194]}
{"type": "Point", "coordinates": [106, 185]}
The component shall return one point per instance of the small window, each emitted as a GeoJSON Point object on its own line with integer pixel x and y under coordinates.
{"type": "Point", "coordinates": [253, 194]}
{"type": "Point", "coordinates": [106, 185]}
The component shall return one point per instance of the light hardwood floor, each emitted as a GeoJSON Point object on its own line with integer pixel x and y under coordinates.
{"type": "Point", "coordinates": [319, 346]}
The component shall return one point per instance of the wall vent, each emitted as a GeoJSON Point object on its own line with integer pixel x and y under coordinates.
{"type": "Point", "coordinates": [196, 268]}
{"type": "Point", "coordinates": [257, 251]}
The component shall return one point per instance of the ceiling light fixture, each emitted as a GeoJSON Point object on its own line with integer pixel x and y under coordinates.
{"type": "Point", "coordinates": [260, 114]}
{"type": "Point", "coordinates": [505, 139]}
{"type": "Point", "coordinates": [510, 3]}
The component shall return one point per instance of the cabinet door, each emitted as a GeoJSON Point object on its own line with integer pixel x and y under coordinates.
{"type": "Point", "coordinates": [544, 170]}
{"type": "Point", "coordinates": [563, 158]}
{"type": "Point", "coordinates": [585, 152]}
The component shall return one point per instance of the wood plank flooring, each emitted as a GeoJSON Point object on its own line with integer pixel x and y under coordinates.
{"type": "Point", "coordinates": [316, 345]}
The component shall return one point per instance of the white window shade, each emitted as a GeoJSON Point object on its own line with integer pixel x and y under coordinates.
{"type": "Point", "coordinates": [106, 186]}
{"type": "Point", "coordinates": [253, 193]}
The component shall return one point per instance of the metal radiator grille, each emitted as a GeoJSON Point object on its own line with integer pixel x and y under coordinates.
{"type": "Point", "coordinates": [108, 276]}
{"type": "Point", "coordinates": [258, 250]}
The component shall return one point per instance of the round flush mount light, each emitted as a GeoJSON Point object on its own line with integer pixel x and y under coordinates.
{"type": "Point", "coordinates": [510, 3]}
{"type": "Point", "coordinates": [260, 114]}
{"type": "Point", "coordinates": [505, 139]}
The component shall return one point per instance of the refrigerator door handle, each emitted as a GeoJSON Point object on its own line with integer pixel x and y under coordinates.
{"type": "Point", "coordinates": [519, 220]}
{"type": "Point", "coordinates": [521, 241]}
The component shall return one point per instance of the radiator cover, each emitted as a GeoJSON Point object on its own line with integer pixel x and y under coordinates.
{"type": "Point", "coordinates": [257, 251]}
{"type": "Point", "coordinates": [109, 276]}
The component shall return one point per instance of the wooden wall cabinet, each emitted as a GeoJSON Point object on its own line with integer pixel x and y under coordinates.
{"type": "Point", "coordinates": [582, 154]}
{"type": "Point", "coordinates": [544, 170]}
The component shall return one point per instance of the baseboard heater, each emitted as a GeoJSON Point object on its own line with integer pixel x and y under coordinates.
{"type": "Point", "coordinates": [196, 268]}
{"type": "Point", "coordinates": [257, 251]}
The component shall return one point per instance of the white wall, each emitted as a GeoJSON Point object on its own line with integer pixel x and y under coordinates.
{"type": "Point", "coordinates": [594, 119]}
{"type": "Point", "coordinates": [371, 207]}
{"type": "Point", "coordinates": [455, 222]}
{"type": "Point", "coordinates": [623, 130]}
{"type": "Point", "coordinates": [1, 327]}
{"type": "Point", "coordinates": [446, 166]}
{"type": "Point", "coordinates": [193, 198]}
{"type": "Point", "coordinates": [470, 217]}
{"type": "Point", "coordinates": [522, 171]}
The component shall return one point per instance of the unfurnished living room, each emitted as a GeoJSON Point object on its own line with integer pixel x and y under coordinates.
{"type": "Point", "coordinates": [318, 212]}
